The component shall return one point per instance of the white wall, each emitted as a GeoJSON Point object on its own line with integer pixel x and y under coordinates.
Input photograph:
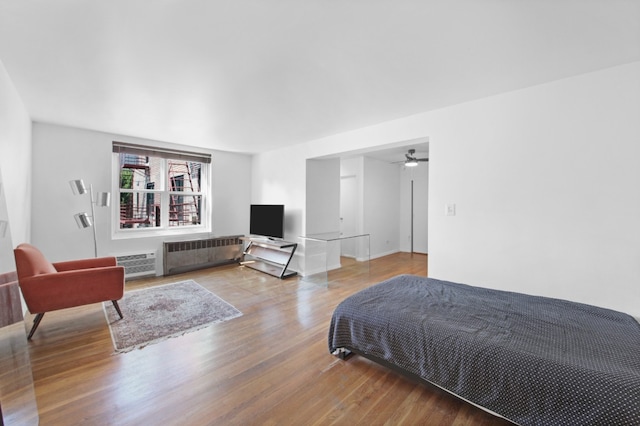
{"type": "Point", "coordinates": [544, 180]}
{"type": "Point", "coordinates": [323, 196]}
{"type": "Point", "coordinates": [322, 212]}
{"type": "Point", "coordinates": [15, 160]}
{"type": "Point", "coordinates": [352, 207]}
{"type": "Point", "coordinates": [231, 189]}
{"type": "Point", "coordinates": [381, 206]}
{"type": "Point", "coordinates": [63, 153]}
{"type": "Point", "coordinates": [279, 177]}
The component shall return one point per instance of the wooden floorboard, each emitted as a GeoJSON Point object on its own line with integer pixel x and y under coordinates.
{"type": "Point", "coordinates": [269, 366]}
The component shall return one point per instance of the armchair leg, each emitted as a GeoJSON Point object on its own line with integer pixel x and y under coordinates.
{"type": "Point", "coordinates": [36, 323]}
{"type": "Point", "coordinates": [115, 305]}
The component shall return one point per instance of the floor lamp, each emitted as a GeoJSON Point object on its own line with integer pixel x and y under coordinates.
{"type": "Point", "coordinates": [85, 220]}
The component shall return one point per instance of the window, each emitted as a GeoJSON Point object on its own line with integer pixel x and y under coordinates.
{"type": "Point", "coordinates": [161, 189]}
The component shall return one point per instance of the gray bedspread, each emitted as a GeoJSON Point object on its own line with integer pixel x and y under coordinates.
{"type": "Point", "coordinates": [532, 360]}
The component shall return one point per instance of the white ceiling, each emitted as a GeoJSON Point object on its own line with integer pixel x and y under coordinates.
{"type": "Point", "coordinates": [253, 75]}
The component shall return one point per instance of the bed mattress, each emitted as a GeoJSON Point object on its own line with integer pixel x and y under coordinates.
{"type": "Point", "coordinates": [533, 360]}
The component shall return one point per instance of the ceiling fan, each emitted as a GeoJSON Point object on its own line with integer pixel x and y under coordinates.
{"type": "Point", "coordinates": [411, 160]}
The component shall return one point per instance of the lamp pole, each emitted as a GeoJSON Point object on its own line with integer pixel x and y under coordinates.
{"type": "Point", "coordinates": [93, 216]}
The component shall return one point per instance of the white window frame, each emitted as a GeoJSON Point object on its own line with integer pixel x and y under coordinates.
{"type": "Point", "coordinates": [164, 192]}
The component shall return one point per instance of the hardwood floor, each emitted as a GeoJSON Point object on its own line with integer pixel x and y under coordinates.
{"type": "Point", "coordinates": [270, 366]}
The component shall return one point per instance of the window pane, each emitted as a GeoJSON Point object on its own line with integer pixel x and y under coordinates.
{"type": "Point", "coordinates": [139, 172]}
{"type": "Point", "coordinates": [184, 210]}
{"type": "Point", "coordinates": [184, 176]}
{"type": "Point", "coordinates": [139, 210]}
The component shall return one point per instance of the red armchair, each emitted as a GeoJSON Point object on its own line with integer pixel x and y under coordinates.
{"type": "Point", "coordinates": [50, 286]}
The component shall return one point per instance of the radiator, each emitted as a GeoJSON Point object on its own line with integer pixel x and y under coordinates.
{"type": "Point", "coordinates": [182, 256]}
{"type": "Point", "coordinates": [137, 264]}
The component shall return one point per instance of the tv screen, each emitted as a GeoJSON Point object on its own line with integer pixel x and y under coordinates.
{"type": "Point", "coordinates": [267, 220]}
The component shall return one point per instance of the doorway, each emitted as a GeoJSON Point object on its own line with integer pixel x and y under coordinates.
{"type": "Point", "coordinates": [419, 194]}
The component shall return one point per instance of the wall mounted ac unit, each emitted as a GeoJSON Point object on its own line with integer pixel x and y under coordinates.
{"type": "Point", "coordinates": [137, 264]}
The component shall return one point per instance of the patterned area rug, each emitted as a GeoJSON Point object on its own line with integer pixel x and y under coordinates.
{"type": "Point", "coordinates": [158, 313]}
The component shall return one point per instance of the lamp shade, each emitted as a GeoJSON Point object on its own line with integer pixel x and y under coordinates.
{"type": "Point", "coordinates": [77, 186]}
{"type": "Point", "coordinates": [103, 199]}
{"type": "Point", "coordinates": [83, 220]}
{"type": "Point", "coordinates": [410, 163]}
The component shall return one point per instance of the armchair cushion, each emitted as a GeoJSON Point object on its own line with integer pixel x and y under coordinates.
{"type": "Point", "coordinates": [30, 261]}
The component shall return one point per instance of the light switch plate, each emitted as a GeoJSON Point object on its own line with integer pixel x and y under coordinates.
{"type": "Point", "coordinates": [450, 209]}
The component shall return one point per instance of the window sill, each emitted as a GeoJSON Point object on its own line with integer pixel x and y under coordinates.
{"type": "Point", "coordinates": [151, 233]}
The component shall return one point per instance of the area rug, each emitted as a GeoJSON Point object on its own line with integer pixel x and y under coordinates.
{"type": "Point", "coordinates": [158, 313]}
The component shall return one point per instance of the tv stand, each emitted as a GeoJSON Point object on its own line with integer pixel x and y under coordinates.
{"type": "Point", "coordinates": [269, 256]}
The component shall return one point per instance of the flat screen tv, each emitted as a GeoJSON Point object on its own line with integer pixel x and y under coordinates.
{"type": "Point", "coordinates": [267, 220]}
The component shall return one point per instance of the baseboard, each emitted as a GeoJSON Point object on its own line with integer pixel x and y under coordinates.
{"type": "Point", "coordinates": [383, 254]}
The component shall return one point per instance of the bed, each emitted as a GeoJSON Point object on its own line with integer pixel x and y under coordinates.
{"type": "Point", "coordinates": [532, 360]}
